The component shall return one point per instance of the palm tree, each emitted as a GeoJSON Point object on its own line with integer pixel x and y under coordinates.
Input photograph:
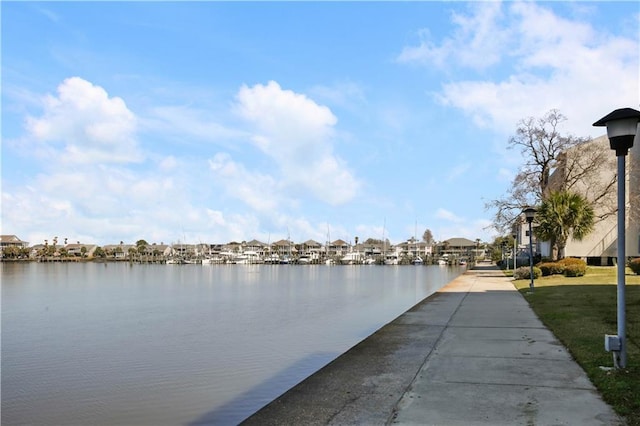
{"type": "Point", "coordinates": [563, 215]}
{"type": "Point", "coordinates": [141, 247]}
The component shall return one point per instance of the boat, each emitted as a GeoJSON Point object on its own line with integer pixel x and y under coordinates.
{"type": "Point", "coordinates": [352, 258]}
{"type": "Point", "coordinates": [246, 258]}
{"type": "Point", "coordinates": [418, 261]}
{"type": "Point", "coordinates": [391, 259]}
{"type": "Point", "coordinates": [212, 260]}
{"type": "Point", "coordinates": [304, 260]}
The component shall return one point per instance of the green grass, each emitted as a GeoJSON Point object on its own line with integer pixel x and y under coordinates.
{"type": "Point", "coordinates": [580, 311]}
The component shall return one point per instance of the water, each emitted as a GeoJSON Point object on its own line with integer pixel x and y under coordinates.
{"type": "Point", "coordinates": [120, 344]}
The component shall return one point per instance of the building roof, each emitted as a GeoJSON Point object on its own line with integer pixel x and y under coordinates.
{"type": "Point", "coordinates": [460, 242]}
{"type": "Point", "coordinates": [10, 239]}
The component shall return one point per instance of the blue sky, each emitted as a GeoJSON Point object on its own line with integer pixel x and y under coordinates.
{"type": "Point", "coordinates": [221, 121]}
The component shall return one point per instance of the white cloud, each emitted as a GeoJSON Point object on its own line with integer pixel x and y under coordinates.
{"type": "Point", "coordinates": [83, 125]}
{"type": "Point", "coordinates": [478, 228]}
{"type": "Point", "coordinates": [297, 134]}
{"type": "Point", "coordinates": [458, 170]}
{"type": "Point", "coordinates": [168, 163]}
{"type": "Point", "coordinates": [347, 95]}
{"type": "Point", "coordinates": [475, 43]}
{"type": "Point", "coordinates": [257, 190]}
{"type": "Point", "coordinates": [547, 61]}
{"type": "Point", "coordinates": [186, 123]}
{"type": "Point", "coordinates": [505, 175]}
{"type": "Point", "coordinates": [447, 215]}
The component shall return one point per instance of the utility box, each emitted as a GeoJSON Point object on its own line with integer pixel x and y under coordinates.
{"type": "Point", "coordinates": [611, 342]}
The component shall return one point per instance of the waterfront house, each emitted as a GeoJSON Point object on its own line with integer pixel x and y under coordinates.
{"type": "Point", "coordinates": [36, 251]}
{"type": "Point", "coordinates": [80, 250]}
{"type": "Point", "coordinates": [155, 252]}
{"type": "Point", "coordinates": [283, 248]}
{"type": "Point", "coordinates": [12, 242]}
{"type": "Point", "coordinates": [338, 248]}
{"type": "Point", "coordinates": [312, 249]}
{"type": "Point", "coordinates": [413, 248]}
{"type": "Point", "coordinates": [257, 247]}
{"type": "Point", "coordinates": [456, 248]}
{"type": "Point", "coordinates": [118, 251]}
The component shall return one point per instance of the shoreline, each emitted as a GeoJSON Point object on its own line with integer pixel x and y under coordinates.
{"type": "Point", "coordinates": [474, 352]}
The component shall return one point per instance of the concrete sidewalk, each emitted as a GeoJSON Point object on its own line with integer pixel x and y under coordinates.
{"type": "Point", "coordinates": [474, 353]}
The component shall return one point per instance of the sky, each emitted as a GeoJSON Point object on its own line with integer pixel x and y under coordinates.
{"type": "Point", "coordinates": [211, 122]}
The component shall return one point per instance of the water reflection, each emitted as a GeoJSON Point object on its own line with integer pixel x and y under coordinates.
{"type": "Point", "coordinates": [174, 344]}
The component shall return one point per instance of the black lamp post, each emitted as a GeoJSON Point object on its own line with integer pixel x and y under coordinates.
{"type": "Point", "coordinates": [515, 250]}
{"type": "Point", "coordinates": [622, 127]}
{"type": "Point", "coordinates": [530, 213]}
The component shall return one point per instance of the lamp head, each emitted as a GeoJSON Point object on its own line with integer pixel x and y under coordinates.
{"type": "Point", "coordinates": [622, 126]}
{"type": "Point", "coordinates": [529, 213]}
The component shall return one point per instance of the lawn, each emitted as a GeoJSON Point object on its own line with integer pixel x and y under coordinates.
{"type": "Point", "coordinates": [580, 311]}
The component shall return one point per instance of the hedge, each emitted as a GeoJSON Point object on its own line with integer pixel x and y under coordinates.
{"type": "Point", "coordinates": [575, 270]}
{"type": "Point", "coordinates": [524, 273]}
{"type": "Point", "coordinates": [551, 268]}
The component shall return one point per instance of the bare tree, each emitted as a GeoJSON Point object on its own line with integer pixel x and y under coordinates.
{"type": "Point", "coordinates": [545, 151]}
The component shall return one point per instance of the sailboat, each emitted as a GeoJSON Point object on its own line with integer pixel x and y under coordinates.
{"type": "Point", "coordinates": [416, 260]}
{"type": "Point", "coordinates": [328, 260]}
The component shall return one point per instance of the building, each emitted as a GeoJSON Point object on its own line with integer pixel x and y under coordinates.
{"type": "Point", "coordinates": [600, 246]}
{"type": "Point", "coordinates": [458, 248]}
{"type": "Point", "coordinates": [7, 241]}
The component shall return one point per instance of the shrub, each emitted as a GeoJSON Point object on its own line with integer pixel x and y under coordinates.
{"type": "Point", "coordinates": [572, 261]}
{"type": "Point", "coordinates": [551, 268]}
{"type": "Point", "coordinates": [523, 273]}
{"type": "Point", "coordinates": [574, 267]}
{"type": "Point", "coordinates": [575, 270]}
{"type": "Point", "coordinates": [634, 265]}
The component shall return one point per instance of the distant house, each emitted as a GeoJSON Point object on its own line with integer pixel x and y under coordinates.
{"type": "Point", "coordinates": [414, 248]}
{"type": "Point", "coordinates": [117, 251]}
{"type": "Point", "coordinates": [256, 246]}
{"type": "Point", "coordinates": [81, 250]}
{"type": "Point", "coordinates": [310, 248]}
{"type": "Point", "coordinates": [283, 248]}
{"type": "Point", "coordinates": [7, 241]}
{"type": "Point", "coordinates": [457, 247]}
{"type": "Point", "coordinates": [338, 248]}
{"type": "Point", "coordinates": [156, 250]}
{"type": "Point", "coordinates": [12, 241]}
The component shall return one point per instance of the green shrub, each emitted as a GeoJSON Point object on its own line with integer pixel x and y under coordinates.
{"type": "Point", "coordinates": [551, 268]}
{"type": "Point", "coordinates": [523, 273]}
{"type": "Point", "coordinates": [634, 265]}
{"type": "Point", "coordinates": [575, 270]}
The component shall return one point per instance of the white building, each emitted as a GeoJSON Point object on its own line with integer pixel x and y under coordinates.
{"type": "Point", "coordinates": [600, 246]}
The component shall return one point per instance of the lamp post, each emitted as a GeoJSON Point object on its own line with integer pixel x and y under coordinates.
{"type": "Point", "coordinates": [622, 127]}
{"type": "Point", "coordinates": [530, 213]}
{"type": "Point", "coordinates": [515, 249]}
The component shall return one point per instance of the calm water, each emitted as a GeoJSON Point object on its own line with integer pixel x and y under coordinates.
{"type": "Point", "coordinates": [183, 344]}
